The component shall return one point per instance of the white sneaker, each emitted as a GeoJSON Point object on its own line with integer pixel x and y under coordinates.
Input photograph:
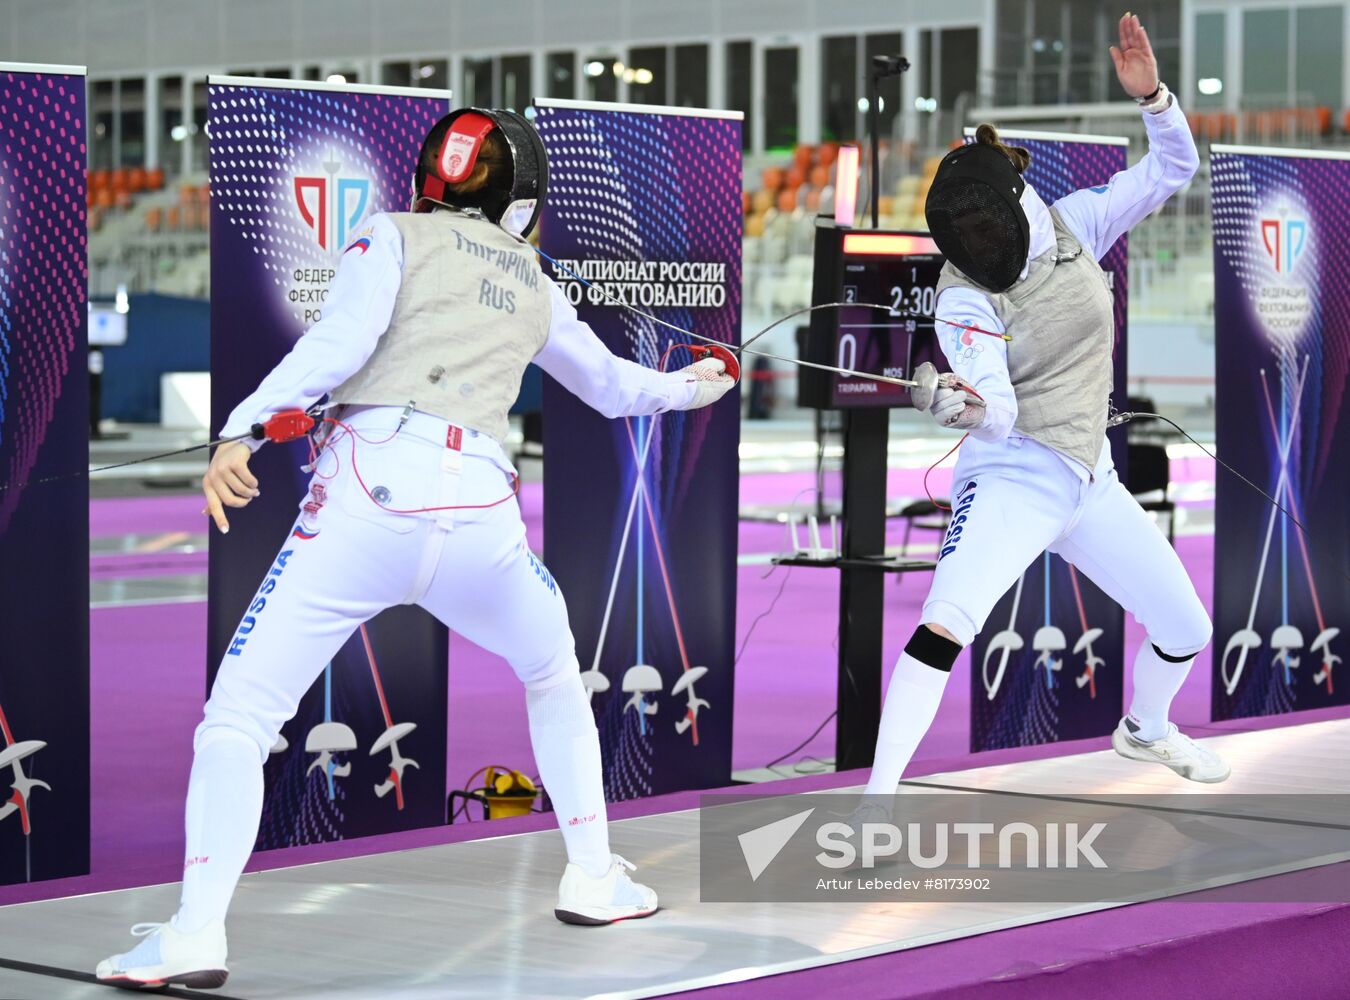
{"type": "Point", "coordinates": [869, 810]}
{"type": "Point", "coordinates": [1174, 749]}
{"type": "Point", "coordinates": [168, 956]}
{"type": "Point", "coordinates": [586, 900]}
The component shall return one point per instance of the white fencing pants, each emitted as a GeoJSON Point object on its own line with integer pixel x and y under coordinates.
{"type": "Point", "coordinates": [341, 566]}
{"type": "Point", "coordinates": [1011, 502]}
{"type": "Point", "coordinates": [1024, 499]}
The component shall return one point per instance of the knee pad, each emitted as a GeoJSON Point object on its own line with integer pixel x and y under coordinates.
{"type": "Point", "coordinates": [933, 650]}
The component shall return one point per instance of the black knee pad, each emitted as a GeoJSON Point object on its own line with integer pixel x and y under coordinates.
{"type": "Point", "coordinates": [1170, 658]}
{"type": "Point", "coordinates": [934, 650]}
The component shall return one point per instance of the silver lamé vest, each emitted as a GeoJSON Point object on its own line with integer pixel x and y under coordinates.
{"type": "Point", "coordinates": [472, 311]}
{"type": "Point", "coordinates": [1062, 323]}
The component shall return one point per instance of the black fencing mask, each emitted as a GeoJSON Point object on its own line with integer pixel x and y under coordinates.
{"type": "Point", "coordinates": [975, 214]}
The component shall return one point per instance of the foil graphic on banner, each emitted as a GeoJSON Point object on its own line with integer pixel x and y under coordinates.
{"type": "Point", "coordinates": [1282, 320]}
{"type": "Point", "coordinates": [44, 431]}
{"type": "Point", "coordinates": [644, 208]}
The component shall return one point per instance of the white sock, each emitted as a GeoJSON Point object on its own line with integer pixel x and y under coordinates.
{"type": "Point", "coordinates": [1156, 683]}
{"type": "Point", "coordinates": [224, 806]}
{"type": "Point", "coordinates": [567, 753]}
{"type": "Point", "coordinates": [912, 700]}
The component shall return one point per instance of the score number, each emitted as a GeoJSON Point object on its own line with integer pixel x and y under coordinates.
{"type": "Point", "coordinates": [913, 299]}
{"type": "Point", "coordinates": [905, 302]}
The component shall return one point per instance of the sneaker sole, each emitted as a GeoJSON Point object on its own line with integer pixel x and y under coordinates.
{"type": "Point", "coordinates": [206, 979]}
{"type": "Point", "coordinates": [590, 920]}
{"type": "Point", "coordinates": [1122, 746]}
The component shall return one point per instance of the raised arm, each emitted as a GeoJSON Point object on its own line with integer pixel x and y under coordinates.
{"type": "Point", "coordinates": [356, 313]}
{"type": "Point", "coordinates": [614, 386]}
{"type": "Point", "coordinates": [1099, 216]}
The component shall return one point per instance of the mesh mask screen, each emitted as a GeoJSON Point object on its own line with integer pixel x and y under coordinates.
{"type": "Point", "coordinates": [980, 232]}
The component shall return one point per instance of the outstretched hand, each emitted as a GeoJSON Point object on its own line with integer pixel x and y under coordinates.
{"type": "Point", "coordinates": [1136, 68]}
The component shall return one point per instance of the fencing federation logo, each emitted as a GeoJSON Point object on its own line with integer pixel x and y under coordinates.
{"type": "Point", "coordinates": [333, 204]}
{"type": "Point", "coordinates": [1284, 240]}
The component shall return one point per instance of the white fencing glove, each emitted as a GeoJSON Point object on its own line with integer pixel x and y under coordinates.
{"type": "Point", "coordinates": [954, 407]}
{"type": "Point", "coordinates": [711, 380]}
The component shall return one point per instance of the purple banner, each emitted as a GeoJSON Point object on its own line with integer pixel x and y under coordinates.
{"type": "Point", "coordinates": [294, 174]}
{"type": "Point", "coordinates": [1282, 316]}
{"type": "Point", "coordinates": [1049, 664]}
{"type": "Point", "coordinates": [644, 208]}
{"type": "Point", "coordinates": [44, 431]}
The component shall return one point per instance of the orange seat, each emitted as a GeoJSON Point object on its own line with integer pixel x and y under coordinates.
{"type": "Point", "coordinates": [174, 217]}
{"type": "Point", "coordinates": [820, 177]}
{"type": "Point", "coordinates": [786, 201]}
{"type": "Point", "coordinates": [803, 157]}
{"type": "Point", "coordinates": [745, 202]}
{"type": "Point", "coordinates": [771, 178]}
{"type": "Point", "coordinates": [136, 179]}
{"type": "Point", "coordinates": [154, 218]}
{"type": "Point", "coordinates": [122, 199]}
{"type": "Point", "coordinates": [761, 201]}
{"type": "Point", "coordinates": [794, 178]}
{"type": "Point", "coordinates": [812, 201]}
{"type": "Point", "coordinates": [827, 154]}
{"type": "Point", "coordinates": [154, 179]}
{"type": "Point", "coordinates": [103, 198]}
{"type": "Point", "coordinates": [204, 194]}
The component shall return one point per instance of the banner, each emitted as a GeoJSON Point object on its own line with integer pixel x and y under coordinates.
{"type": "Point", "coordinates": [295, 171]}
{"type": "Point", "coordinates": [644, 209]}
{"type": "Point", "coordinates": [1282, 318]}
{"type": "Point", "coordinates": [1049, 664]}
{"type": "Point", "coordinates": [44, 431]}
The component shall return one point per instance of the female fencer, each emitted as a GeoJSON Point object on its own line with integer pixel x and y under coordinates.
{"type": "Point", "coordinates": [429, 324]}
{"type": "Point", "coordinates": [1036, 471]}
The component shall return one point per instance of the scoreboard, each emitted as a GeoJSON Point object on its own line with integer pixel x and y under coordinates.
{"type": "Point", "coordinates": [897, 271]}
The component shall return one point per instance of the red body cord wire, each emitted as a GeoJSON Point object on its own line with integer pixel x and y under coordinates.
{"type": "Point", "coordinates": [932, 499]}
{"type": "Point", "coordinates": [354, 435]}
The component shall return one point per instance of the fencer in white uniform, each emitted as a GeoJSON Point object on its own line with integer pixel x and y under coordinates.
{"type": "Point", "coordinates": [429, 324]}
{"type": "Point", "coordinates": [1035, 472]}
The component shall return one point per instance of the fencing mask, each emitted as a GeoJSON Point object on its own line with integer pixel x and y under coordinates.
{"type": "Point", "coordinates": [975, 215]}
{"type": "Point", "coordinates": [513, 192]}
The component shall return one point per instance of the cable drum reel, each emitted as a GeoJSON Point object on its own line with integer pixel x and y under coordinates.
{"type": "Point", "coordinates": [506, 793]}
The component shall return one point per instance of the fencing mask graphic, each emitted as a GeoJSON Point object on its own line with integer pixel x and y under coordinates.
{"type": "Point", "coordinates": [514, 192]}
{"type": "Point", "coordinates": [975, 214]}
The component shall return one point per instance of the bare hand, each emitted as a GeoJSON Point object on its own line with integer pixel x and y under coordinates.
{"type": "Point", "coordinates": [228, 483]}
{"type": "Point", "coordinates": [1136, 68]}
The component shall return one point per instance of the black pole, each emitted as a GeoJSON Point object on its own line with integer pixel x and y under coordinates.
{"type": "Point", "coordinates": [882, 67]}
{"type": "Point", "coordinates": [874, 127]}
